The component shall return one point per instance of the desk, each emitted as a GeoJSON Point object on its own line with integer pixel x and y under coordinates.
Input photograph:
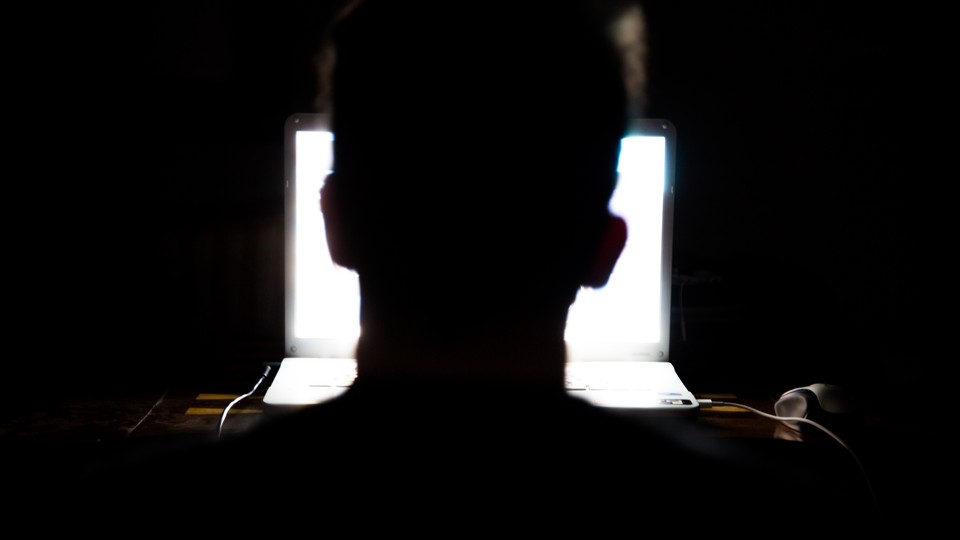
{"type": "Point", "coordinates": [906, 464]}
{"type": "Point", "coordinates": [903, 457]}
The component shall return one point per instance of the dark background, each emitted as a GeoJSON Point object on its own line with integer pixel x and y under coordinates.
{"type": "Point", "coordinates": [145, 190]}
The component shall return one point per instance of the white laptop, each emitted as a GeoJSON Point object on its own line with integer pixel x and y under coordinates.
{"type": "Point", "coordinates": [617, 336]}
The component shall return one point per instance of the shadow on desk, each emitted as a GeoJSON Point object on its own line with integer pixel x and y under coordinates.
{"type": "Point", "coordinates": [902, 463]}
{"type": "Point", "coordinates": [904, 466]}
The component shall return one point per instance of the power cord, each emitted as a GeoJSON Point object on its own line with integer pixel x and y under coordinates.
{"type": "Point", "coordinates": [786, 420]}
{"type": "Point", "coordinates": [226, 410]}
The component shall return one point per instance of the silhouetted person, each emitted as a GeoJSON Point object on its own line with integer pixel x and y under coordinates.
{"type": "Point", "coordinates": [475, 152]}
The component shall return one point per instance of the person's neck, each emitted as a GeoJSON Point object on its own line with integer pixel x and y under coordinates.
{"type": "Point", "coordinates": [501, 356]}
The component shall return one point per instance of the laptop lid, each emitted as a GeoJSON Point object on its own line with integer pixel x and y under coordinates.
{"type": "Point", "coordinates": [322, 318]}
{"type": "Point", "coordinates": [629, 318]}
{"type": "Point", "coordinates": [626, 320]}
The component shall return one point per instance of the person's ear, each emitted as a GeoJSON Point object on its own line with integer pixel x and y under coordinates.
{"type": "Point", "coordinates": [611, 245]}
{"type": "Point", "coordinates": [342, 248]}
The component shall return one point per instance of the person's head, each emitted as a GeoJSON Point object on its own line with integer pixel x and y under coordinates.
{"type": "Point", "coordinates": [475, 153]}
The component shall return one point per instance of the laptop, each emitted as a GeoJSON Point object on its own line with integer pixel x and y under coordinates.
{"type": "Point", "coordinates": [617, 336]}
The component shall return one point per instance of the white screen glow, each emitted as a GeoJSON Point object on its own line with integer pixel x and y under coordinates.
{"type": "Point", "coordinates": [627, 309]}
{"type": "Point", "coordinates": [326, 296]}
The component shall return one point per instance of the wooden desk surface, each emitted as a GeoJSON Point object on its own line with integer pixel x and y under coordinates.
{"type": "Point", "coordinates": [906, 464]}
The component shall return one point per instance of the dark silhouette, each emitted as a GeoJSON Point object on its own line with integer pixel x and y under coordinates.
{"type": "Point", "coordinates": [475, 153]}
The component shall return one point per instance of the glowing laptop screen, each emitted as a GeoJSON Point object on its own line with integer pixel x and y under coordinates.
{"type": "Point", "coordinates": [628, 319]}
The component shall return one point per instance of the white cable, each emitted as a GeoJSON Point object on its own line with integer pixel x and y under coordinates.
{"type": "Point", "coordinates": [223, 416]}
{"type": "Point", "coordinates": [787, 419]}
